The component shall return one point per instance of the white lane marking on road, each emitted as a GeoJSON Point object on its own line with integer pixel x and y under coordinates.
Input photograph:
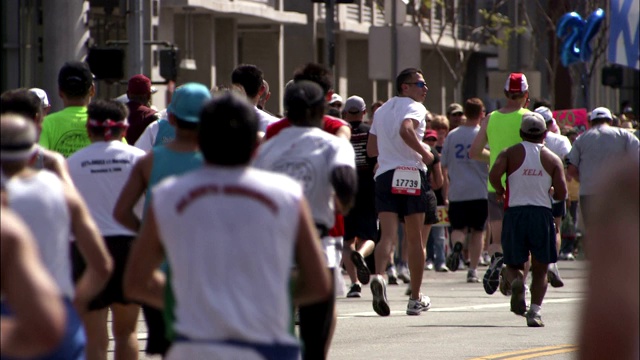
{"type": "Point", "coordinates": [457, 308]}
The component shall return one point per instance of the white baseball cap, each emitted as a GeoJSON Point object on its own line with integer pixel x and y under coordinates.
{"type": "Point", "coordinates": [335, 98]}
{"type": "Point", "coordinates": [44, 99]}
{"type": "Point", "coordinates": [545, 112]}
{"type": "Point", "coordinates": [600, 113]}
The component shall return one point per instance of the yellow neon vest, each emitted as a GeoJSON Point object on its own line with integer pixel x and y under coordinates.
{"type": "Point", "coordinates": [503, 130]}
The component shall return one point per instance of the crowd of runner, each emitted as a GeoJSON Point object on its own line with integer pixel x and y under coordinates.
{"type": "Point", "coordinates": [227, 226]}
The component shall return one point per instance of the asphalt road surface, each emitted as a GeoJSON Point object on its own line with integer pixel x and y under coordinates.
{"type": "Point", "coordinates": [463, 323]}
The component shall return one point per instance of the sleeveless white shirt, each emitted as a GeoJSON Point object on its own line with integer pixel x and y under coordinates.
{"type": "Point", "coordinates": [40, 202]}
{"type": "Point", "coordinates": [213, 219]}
{"type": "Point", "coordinates": [530, 184]}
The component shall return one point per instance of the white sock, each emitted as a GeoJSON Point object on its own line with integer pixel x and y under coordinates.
{"type": "Point", "coordinates": [535, 308]}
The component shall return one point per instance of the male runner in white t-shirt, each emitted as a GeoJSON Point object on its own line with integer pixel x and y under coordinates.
{"type": "Point", "coordinates": [325, 165]}
{"type": "Point", "coordinates": [99, 172]}
{"type": "Point", "coordinates": [401, 183]}
{"type": "Point", "coordinates": [219, 216]}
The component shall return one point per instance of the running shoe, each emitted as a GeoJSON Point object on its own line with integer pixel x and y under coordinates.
{"type": "Point", "coordinates": [491, 279]}
{"type": "Point", "coordinates": [392, 274]}
{"type": "Point", "coordinates": [442, 268]}
{"type": "Point", "coordinates": [415, 307]}
{"type": "Point", "coordinates": [534, 319]}
{"type": "Point", "coordinates": [428, 265]}
{"type": "Point", "coordinates": [505, 287]}
{"type": "Point", "coordinates": [566, 256]}
{"type": "Point", "coordinates": [355, 291]}
{"type": "Point", "coordinates": [518, 302]}
{"type": "Point", "coordinates": [453, 261]}
{"type": "Point", "coordinates": [484, 261]}
{"type": "Point", "coordinates": [553, 276]}
{"type": "Point", "coordinates": [403, 273]}
{"type": "Point", "coordinates": [361, 267]}
{"type": "Point", "coordinates": [379, 292]}
{"type": "Point", "coordinates": [472, 276]}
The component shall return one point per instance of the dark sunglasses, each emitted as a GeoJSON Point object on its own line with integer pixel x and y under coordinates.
{"type": "Point", "coordinates": [419, 84]}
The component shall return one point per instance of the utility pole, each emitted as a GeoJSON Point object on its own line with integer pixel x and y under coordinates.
{"type": "Point", "coordinates": [136, 49]}
{"type": "Point", "coordinates": [394, 40]}
{"type": "Point", "coordinates": [330, 39]}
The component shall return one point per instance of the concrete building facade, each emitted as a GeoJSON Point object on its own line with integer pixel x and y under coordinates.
{"type": "Point", "coordinates": [276, 35]}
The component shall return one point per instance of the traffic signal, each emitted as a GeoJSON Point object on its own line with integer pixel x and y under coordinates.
{"type": "Point", "coordinates": [169, 60]}
{"type": "Point", "coordinates": [612, 76]}
{"type": "Point", "coordinates": [106, 63]}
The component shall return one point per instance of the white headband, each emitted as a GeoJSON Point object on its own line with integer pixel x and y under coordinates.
{"type": "Point", "coordinates": [18, 155]}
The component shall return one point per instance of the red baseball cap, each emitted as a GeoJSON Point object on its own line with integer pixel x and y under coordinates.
{"type": "Point", "coordinates": [516, 83]}
{"type": "Point", "coordinates": [139, 85]}
{"type": "Point", "coordinates": [430, 134]}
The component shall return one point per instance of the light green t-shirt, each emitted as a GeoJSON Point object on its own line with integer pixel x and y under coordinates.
{"type": "Point", "coordinates": [503, 130]}
{"type": "Point", "coordinates": [65, 131]}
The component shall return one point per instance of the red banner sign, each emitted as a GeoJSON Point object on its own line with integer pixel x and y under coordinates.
{"type": "Point", "coordinates": [575, 118]}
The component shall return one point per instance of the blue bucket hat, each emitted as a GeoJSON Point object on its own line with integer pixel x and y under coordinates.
{"type": "Point", "coordinates": [188, 100]}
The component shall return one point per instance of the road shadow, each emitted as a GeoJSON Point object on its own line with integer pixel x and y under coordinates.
{"type": "Point", "coordinates": [464, 326]}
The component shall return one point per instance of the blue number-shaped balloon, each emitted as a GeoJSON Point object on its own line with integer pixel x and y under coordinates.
{"type": "Point", "coordinates": [594, 21]}
{"type": "Point", "coordinates": [576, 35]}
{"type": "Point", "coordinates": [569, 30]}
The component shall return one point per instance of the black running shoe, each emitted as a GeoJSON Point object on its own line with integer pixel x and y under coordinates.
{"type": "Point", "coordinates": [491, 279]}
{"type": "Point", "coordinates": [355, 291]}
{"type": "Point", "coordinates": [379, 292]}
{"type": "Point", "coordinates": [505, 287]}
{"type": "Point", "coordinates": [518, 302]}
{"type": "Point", "coordinates": [453, 261]}
{"type": "Point", "coordinates": [361, 267]}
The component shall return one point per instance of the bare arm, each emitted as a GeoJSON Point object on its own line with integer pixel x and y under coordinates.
{"type": "Point", "coordinates": [131, 193]}
{"type": "Point", "coordinates": [612, 302]}
{"type": "Point", "coordinates": [553, 163]}
{"type": "Point", "coordinates": [573, 172]}
{"type": "Point", "coordinates": [91, 247]}
{"type": "Point", "coordinates": [56, 163]}
{"type": "Point", "coordinates": [477, 150]}
{"type": "Point", "coordinates": [445, 186]}
{"type": "Point", "coordinates": [344, 132]}
{"type": "Point", "coordinates": [142, 279]}
{"type": "Point", "coordinates": [372, 145]}
{"type": "Point", "coordinates": [437, 176]}
{"type": "Point", "coordinates": [499, 168]}
{"type": "Point", "coordinates": [409, 136]}
{"type": "Point", "coordinates": [38, 321]}
{"type": "Point", "coordinates": [313, 282]}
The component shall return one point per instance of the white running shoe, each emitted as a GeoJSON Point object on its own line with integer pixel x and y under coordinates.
{"type": "Point", "coordinates": [415, 307]}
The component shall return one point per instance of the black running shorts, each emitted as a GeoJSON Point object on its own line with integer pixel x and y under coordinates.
{"type": "Point", "coordinates": [559, 209]}
{"type": "Point", "coordinates": [471, 214]}
{"type": "Point", "coordinates": [400, 204]}
{"type": "Point", "coordinates": [528, 229]}
{"type": "Point", "coordinates": [119, 247]}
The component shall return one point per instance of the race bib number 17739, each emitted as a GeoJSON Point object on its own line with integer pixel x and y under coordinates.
{"type": "Point", "coordinates": [406, 181]}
